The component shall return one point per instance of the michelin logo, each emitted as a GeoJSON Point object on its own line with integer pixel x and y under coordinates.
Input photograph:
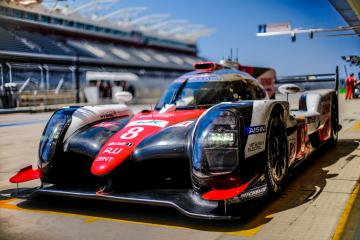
{"type": "Point", "coordinates": [255, 129]}
{"type": "Point", "coordinates": [256, 192]}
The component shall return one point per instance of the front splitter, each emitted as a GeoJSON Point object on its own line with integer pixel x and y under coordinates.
{"type": "Point", "coordinates": [187, 201]}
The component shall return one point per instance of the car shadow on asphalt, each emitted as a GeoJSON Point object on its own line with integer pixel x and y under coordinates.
{"type": "Point", "coordinates": [306, 183]}
{"type": "Point", "coordinates": [308, 180]}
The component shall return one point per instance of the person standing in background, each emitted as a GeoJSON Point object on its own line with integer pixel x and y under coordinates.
{"type": "Point", "coordinates": [350, 83]}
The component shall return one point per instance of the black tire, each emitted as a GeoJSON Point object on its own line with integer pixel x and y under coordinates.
{"type": "Point", "coordinates": [276, 166]}
{"type": "Point", "coordinates": [334, 135]}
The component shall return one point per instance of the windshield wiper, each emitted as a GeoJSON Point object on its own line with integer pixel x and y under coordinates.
{"type": "Point", "coordinates": [177, 94]}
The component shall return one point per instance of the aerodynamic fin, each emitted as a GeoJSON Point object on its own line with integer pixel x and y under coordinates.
{"type": "Point", "coordinates": [26, 174]}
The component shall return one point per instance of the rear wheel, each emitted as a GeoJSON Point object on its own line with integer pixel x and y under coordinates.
{"type": "Point", "coordinates": [276, 166]}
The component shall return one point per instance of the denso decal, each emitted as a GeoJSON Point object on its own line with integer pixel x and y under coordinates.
{"type": "Point", "coordinates": [255, 129]}
{"type": "Point", "coordinates": [156, 123]}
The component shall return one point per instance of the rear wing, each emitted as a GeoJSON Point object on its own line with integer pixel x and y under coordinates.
{"type": "Point", "coordinates": [312, 81]}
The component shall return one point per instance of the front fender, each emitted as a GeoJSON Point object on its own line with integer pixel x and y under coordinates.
{"type": "Point", "coordinates": [253, 117]}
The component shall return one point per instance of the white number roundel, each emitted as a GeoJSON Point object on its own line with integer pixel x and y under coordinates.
{"type": "Point", "coordinates": [132, 133]}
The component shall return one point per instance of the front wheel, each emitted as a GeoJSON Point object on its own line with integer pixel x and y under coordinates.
{"type": "Point", "coordinates": [276, 166]}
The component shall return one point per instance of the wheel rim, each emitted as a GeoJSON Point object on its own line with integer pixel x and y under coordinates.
{"type": "Point", "coordinates": [277, 152]}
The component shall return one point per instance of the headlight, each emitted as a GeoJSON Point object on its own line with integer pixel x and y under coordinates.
{"type": "Point", "coordinates": [51, 136]}
{"type": "Point", "coordinates": [220, 139]}
{"type": "Point", "coordinates": [216, 143]}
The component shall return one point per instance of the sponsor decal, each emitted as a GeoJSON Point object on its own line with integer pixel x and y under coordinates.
{"type": "Point", "coordinates": [156, 123]}
{"type": "Point", "coordinates": [183, 124]}
{"type": "Point", "coordinates": [256, 146]}
{"type": "Point", "coordinates": [255, 129]}
{"type": "Point", "coordinates": [104, 159]}
{"type": "Point", "coordinates": [112, 150]}
{"type": "Point", "coordinates": [254, 192]}
{"type": "Point", "coordinates": [108, 115]}
{"type": "Point", "coordinates": [123, 144]}
{"type": "Point", "coordinates": [105, 125]}
{"type": "Point", "coordinates": [204, 78]}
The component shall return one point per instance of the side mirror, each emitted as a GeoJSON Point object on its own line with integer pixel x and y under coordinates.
{"type": "Point", "coordinates": [168, 108]}
{"type": "Point", "coordinates": [288, 89]}
{"type": "Point", "coordinates": [122, 97]}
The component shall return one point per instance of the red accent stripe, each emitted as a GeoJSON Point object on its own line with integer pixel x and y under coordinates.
{"type": "Point", "coordinates": [111, 156]}
{"type": "Point", "coordinates": [223, 194]}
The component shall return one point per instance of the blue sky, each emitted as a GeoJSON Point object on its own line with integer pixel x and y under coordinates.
{"type": "Point", "coordinates": [236, 23]}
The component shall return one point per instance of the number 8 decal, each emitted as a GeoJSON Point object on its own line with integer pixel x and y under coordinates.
{"type": "Point", "coordinates": [132, 133]}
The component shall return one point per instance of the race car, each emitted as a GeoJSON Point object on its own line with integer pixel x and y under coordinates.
{"type": "Point", "coordinates": [214, 143]}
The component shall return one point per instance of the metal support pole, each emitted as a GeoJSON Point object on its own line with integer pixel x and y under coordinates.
{"type": "Point", "coordinates": [2, 75]}
{"type": "Point", "coordinates": [42, 84]}
{"type": "Point", "coordinates": [59, 85]}
{"type": "Point", "coordinates": [10, 93]}
{"type": "Point", "coordinates": [47, 77]}
{"type": "Point", "coordinates": [337, 79]}
{"type": "Point", "coordinates": [10, 71]}
{"type": "Point", "coordinates": [77, 78]}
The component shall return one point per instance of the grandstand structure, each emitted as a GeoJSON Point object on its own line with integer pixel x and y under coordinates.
{"type": "Point", "coordinates": [45, 52]}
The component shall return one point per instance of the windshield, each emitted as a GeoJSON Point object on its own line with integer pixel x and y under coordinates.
{"type": "Point", "coordinates": [189, 95]}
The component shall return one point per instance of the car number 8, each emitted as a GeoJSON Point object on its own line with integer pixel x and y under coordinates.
{"type": "Point", "coordinates": [132, 133]}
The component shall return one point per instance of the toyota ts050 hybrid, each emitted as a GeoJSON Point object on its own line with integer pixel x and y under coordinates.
{"type": "Point", "coordinates": [213, 142]}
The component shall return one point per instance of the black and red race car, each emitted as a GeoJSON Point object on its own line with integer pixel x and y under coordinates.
{"type": "Point", "coordinates": [213, 142]}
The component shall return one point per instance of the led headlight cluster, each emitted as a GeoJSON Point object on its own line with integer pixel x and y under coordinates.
{"type": "Point", "coordinates": [220, 139]}
{"type": "Point", "coordinates": [51, 136]}
{"type": "Point", "coordinates": [216, 143]}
